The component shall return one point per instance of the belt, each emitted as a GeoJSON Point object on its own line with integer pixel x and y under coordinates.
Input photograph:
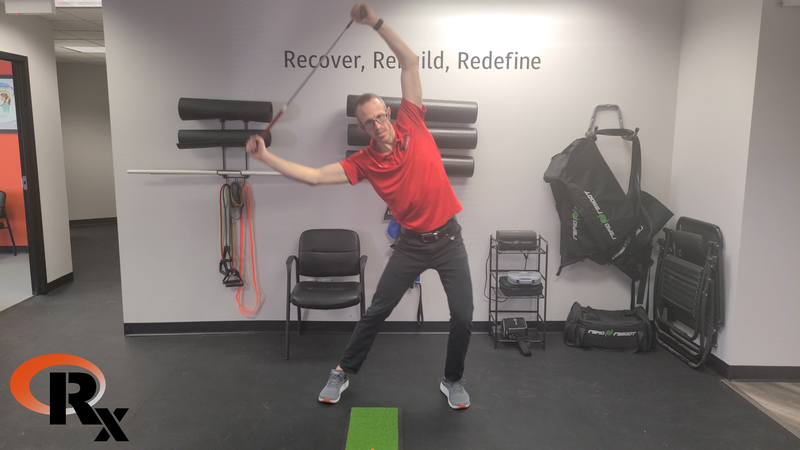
{"type": "Point", "coordinates": [431, 236]}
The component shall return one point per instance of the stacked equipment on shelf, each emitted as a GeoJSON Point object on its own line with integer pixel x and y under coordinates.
{"type": "Point", "coordinates": [506, 280]}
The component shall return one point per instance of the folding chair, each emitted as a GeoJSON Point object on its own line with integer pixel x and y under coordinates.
{"type": "Point", "coordinates": [688, 292]}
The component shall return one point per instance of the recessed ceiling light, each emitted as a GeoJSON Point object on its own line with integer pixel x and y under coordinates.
{"type": "Point", "coordinates": [79, 3]}
{"type": "Point", "coordinates": [87, 49]}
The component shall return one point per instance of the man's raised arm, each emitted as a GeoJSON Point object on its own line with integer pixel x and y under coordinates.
{"type": "Point", "coordinates": [409, 61]}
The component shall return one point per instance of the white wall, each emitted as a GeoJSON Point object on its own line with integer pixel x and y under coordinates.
{"type": "Point", "coordinates": [83, 96]}
{"type": "Point", "coordinates": [766, 300]}
{"type": "Point", "coordinates": [33, 37]}
{"type": "Point", "coordinates": [712, 131]}
{"type": "Point", "coordinates": [623, 51]}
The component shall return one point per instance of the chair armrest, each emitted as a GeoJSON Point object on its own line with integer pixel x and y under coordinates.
{"type": "Point", "coordinates": [289, 262]}
{"type": "Point", "coordinates": [362, 267]}
{"type": "Point", "coordinates": [289, 275]}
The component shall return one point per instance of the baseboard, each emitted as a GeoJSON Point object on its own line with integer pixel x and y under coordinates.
{"type": "Point", "coordinates": [58, 282]}
{"type": "Point", "coordinates": [278, 326]}
{"type": "Point", "coordinates": [88, 222]}
{"type": "Point", "coordinates": [752, 373]}
{"type": "Point", "coordinates": [10, 249]}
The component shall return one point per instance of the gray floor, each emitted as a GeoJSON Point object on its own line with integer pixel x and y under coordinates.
{"type": "Point", "coordinates": [237, 392]}
{"type": "Point", "coordinates": [15, 279]}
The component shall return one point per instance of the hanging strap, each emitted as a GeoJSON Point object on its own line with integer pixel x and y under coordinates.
{"type": "Point", "coordinates": [635, 196]}
{"type": "Point", "coordinates": [226, 263]}
{"type": "Point", "coordinates": [236, 195]}
{"type": "Point", "coordinates": [638, 296]}
{"type": "Point", "coordinates": [420, 315]}
{"type": "Point", "coordinates": [239, 291]}
{"type": "Point", "coordinates": [635, 181]}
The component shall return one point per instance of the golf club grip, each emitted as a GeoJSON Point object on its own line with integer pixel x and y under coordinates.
{"type": "Point", "coordinates": [456, 138]}
{"type": "Point", "coordinates": [264, 133]}
{"type": "Point", "coordinates": [217, 138]}
{"type": "Point", "coordinates": [453, 111]}
{"type": "Point", "coordinates": [454, 166]}
{"type": "Point", "coordinates": [202, 109]}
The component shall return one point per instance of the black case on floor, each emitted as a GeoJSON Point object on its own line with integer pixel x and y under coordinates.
{"type": "Point", "coordinates": [629, 330]}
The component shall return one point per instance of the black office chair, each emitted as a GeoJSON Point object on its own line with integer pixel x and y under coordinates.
{"type": "Point", "coordinates": [7, 225]}
{"type": "Point", "coordinates": [325, 253]}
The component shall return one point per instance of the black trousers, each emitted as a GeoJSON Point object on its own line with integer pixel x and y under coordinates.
{"type": "Point", "coordinates": [411, 257]}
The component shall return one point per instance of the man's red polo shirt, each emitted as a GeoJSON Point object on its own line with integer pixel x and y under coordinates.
{"type": "Point", "coordinates": [411, 179]}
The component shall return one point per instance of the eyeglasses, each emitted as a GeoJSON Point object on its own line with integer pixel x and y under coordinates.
{"type": "Point", "coordinates": [380, 118]}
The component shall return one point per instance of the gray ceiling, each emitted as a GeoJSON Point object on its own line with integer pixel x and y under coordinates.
{"type": "Point", "coordinates": [76, 27]}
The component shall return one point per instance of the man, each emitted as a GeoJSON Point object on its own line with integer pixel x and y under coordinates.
{"type": "Point", "coordinates": [405, 168]}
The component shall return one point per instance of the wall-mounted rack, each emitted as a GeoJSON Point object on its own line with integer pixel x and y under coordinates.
{"type": "Point", "coordinates": [224, 111]}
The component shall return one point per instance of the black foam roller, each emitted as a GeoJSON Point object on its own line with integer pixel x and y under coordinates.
{"type": "Point", "coordinates": [454, 166]}
{"type": "Point", "coordinates": [454, 111]}
{"type": "Point", "coordinates": [217, 138]}
{"type": "Point", "coordinates": [202, 109]}
{"type": "Point", "coordinates": [459, 166]}
{"type": "Point", "coordinates": [458, 138]}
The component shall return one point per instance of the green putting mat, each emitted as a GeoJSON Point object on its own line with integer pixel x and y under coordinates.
{"type": "Point", "coordinates": [374, 429]}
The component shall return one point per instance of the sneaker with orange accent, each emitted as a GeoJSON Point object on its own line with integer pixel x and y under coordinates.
{"type": "Point", "coordinates": [337, 383]}
{"type": "Point", "coordinates": [457, 397]}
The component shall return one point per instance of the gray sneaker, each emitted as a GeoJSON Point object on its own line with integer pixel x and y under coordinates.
{"type": "Point", "coordinates": [457, 397]}
{"type": "Point", "coordinates": [337, 383]}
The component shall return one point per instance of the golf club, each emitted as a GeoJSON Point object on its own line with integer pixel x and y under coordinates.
{"type": "Point", "coordinates": [280, 113]}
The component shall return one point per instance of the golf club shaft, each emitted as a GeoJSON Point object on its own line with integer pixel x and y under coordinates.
{"type": "Point", "coordinates": [280, 113]}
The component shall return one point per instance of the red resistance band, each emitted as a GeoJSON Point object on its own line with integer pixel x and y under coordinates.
{"type": "Point", "coordinates": [232, 270]}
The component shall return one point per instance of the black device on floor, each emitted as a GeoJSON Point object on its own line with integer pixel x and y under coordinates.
{"type": "Point", "coordinates": [516, 328]}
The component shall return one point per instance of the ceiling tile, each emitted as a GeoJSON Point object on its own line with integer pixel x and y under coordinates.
{"type": "Point", "coordinates": [88, 35]}
{"type": "Point", "coordinates": [82, 13]}
{"type": "Point", "coordinates": [75, 25]}
{"type": "Point", "coordinates": [72, 43]}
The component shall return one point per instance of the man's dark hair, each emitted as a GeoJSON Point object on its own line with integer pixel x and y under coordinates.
{"type": "Point", "coordinates": [364, 98]}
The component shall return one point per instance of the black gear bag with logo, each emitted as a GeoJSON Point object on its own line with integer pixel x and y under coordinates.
{"type": "Point", "coordinates": [600, 221]}
{"type": "Point", "coordinates": [628, 330]}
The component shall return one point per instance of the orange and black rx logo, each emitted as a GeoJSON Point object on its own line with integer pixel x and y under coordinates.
{"type": "Point", "coordinates": [81, 402]}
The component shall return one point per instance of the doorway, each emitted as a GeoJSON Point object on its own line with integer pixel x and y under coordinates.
{"type": "Point", "coordinates": [22, 259]}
